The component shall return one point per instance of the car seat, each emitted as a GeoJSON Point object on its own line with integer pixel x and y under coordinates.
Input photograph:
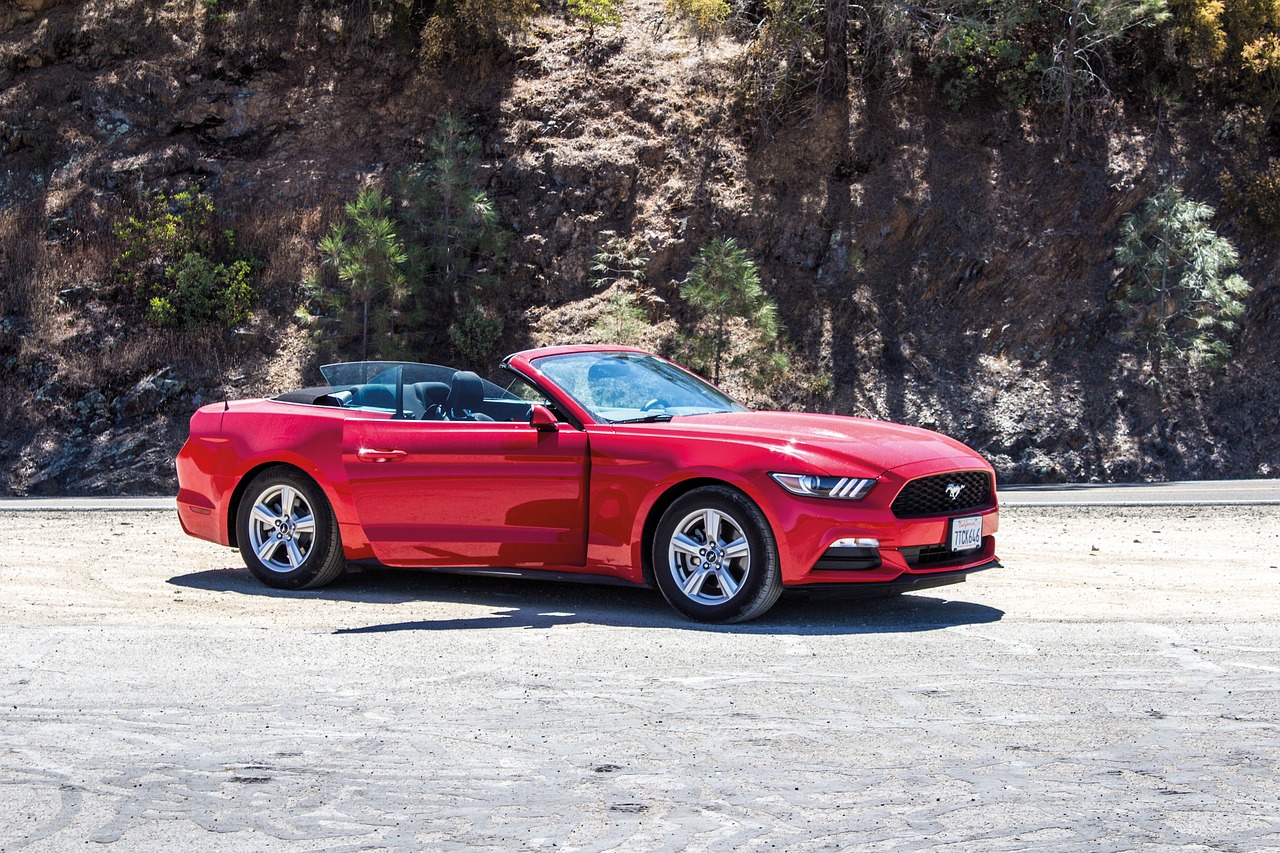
{"type": "Point", "coordinates": [466, 393]}
{"type": "Point", "coordinates": [434, 397]}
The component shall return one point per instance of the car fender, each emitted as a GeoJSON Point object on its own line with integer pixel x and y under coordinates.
{"type": "Point", "coordinates": [256, 435]}
{"type": "Point", "coordinates": [634, 471]}
{"type": "Point", "coordinates": [667, 491]}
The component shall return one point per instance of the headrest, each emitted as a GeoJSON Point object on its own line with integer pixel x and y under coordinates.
{"type": "Point", "coordinates": [432, 393]}
{"type": "Point", "coordinates": [466, 391]}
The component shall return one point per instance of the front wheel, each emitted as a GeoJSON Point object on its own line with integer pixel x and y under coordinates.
{"type": "Point", "coordinates": [287, 532]}
{"type": "Point", "coordinates": [715, 558]}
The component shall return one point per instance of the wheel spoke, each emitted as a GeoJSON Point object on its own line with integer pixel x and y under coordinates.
{"type": "Point", "coordinates": [693, 583]}
{"type": "Point", "coordinates": [727, 583]}
{"type": "Point", "coordinates": [267, 548]}
{"type": "Point", "coordinates": [737, 548]}
{"type": "Point", "coordinates": [286, 502]}
{"type": "Point", "coordinates": [681, 542]}
{"type": "Point", "coordinates": [264, 515]}
{"type": "Point", "coordinates": [295, 555]}
{"type": "Point", "coordinates": [306, 524]}
{"type": "Point", "coordinates": [711, 524]}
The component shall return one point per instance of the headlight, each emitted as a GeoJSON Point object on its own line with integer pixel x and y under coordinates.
{"type": "Point", "coordinates": [811, 486]}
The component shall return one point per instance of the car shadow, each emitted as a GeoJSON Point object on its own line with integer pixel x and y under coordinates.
{"type": "Point", "coordinates": [544, 604]}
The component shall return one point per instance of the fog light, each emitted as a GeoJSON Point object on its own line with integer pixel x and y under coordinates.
{"type": "Point", "coordinates": [850, 555]}
{"type": "Point", "coordinates": [856, 543]}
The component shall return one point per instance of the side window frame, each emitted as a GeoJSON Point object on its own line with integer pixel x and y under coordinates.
{"type": "Point", "coordinates": [518, 382]}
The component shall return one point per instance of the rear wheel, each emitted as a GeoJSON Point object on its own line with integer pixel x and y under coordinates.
{"type": "Point", "coordinates": [287, 532]}
{"type": "Point", "coordinates": [715, 558]}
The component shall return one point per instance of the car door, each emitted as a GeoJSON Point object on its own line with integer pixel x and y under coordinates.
{"type": "Point", "coordinates": [469, 493]}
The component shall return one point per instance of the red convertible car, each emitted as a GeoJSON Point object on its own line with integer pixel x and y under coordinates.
{"type": "Point", "coordinates": [604, 464]}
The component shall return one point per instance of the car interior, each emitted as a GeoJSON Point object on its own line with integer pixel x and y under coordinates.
{"type": "Point", "coordinates": [462, 398]}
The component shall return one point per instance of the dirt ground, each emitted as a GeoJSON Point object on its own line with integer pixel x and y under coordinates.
{"type": "Point", "coordinates": [1115, 686]}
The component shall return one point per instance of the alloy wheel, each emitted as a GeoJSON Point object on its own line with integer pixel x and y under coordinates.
{"type": "Point", "coordinates": [282, 528]}
{"type": "Point", "coordinates": [709, 556]}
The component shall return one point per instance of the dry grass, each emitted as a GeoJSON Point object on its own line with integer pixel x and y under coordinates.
{"type": "Point", "coordinates": [283, 237]}
{"type": "Point", "coordinates": [19, 252]}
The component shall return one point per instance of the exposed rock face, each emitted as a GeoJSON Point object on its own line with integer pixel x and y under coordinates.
{"type": "Point", "coordinates": [946, 269]}
{"type": "Point", "coordinates": [14, 12]}
{"type": "Point", "coordinates": [148, 396]}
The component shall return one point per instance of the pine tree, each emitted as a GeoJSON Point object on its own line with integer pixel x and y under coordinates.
{"type": "Point", "coordinates": [724, 284]}
{"type": "Point", "coordinates": [455, 241]}
{"type": "Point", "coordinates": [1090, 29]}
{"type": "Point", "coordinates": [366, 252]}
{"type": "Point", "coordinates": [1178, 281]}
{"type": "Point", "coordinates": [621, 271]}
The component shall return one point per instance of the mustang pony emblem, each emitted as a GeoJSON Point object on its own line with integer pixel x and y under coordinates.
{"type": "Point", "coordinates": [954, 490]}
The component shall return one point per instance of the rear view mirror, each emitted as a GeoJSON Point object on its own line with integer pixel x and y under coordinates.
{"type": "Point", "coordinates": [541, 419]}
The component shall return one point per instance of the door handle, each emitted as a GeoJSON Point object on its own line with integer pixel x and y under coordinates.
{"type": "Point", "coordinates": [366, 454]}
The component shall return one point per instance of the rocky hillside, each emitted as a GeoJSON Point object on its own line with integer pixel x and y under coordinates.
{"type": "Point", "coordinates": [951, 269]}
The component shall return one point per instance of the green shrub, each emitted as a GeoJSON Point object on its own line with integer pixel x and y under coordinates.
{"type": "Point", "coordinates": [476, 333]}
{"type": "Point", "coordinates": [456, 244]}
{"type": "Point", "coordinates": [624, 320]}
{"type": "Point", "coordinates": [595, 13]}
{"type": "Point", "coordinates": [206, 294]}
{"type": "Point", "coordinates": [989, 53]}
{"type": "Point", "coordinates": [617, 268]}
{"type": "Point", "coordinates": [422, 257]}
{"type": "Point", "coordinates": [160, 312]}
{"type": "Point", "coordinates": [449, 221]}
{"type": "Point", "coordinates": [705, 18]}
{"type": "Point", "coordinates": [183, 273]}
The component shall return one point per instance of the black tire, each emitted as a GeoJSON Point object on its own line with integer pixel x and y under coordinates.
{"type": "Point", "coordinates": [734, 578]}
{"type": "Point", "coordinates": [288, 547]}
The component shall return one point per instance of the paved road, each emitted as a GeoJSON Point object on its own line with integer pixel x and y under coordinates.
{"type": "Point", "coordinates": [1115, 687]}
{"type": "Point", "coordinates": [100, 504]}
{"type": "Point", "coordinates": [1204, 493]}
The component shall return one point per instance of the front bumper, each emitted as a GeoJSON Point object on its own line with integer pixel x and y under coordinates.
{"type": "Point", "coordinates": [910, 549]}
{"type": "Point", "coordinates": [903, 583]}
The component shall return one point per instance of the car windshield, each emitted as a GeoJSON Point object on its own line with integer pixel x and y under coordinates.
{"type": "Point", "coordinates": [622, 387]}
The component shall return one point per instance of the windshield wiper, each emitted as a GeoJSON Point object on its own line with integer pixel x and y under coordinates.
{"type": "Point", "coordinates": [647, 419]}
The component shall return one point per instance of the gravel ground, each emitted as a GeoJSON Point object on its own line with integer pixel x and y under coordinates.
{"type": "Point", "coordinates": [1115, 687]}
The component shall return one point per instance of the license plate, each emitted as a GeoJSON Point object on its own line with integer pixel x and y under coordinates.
{"type": "Point", "coordinates": [966, 533]}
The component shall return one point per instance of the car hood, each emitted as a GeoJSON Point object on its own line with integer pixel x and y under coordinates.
{"type": "Point", "coordinates": [830, 441]}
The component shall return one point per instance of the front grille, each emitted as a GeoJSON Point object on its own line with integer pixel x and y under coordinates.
{"type": "Point", "coordinates": [922, 556]}
{"type": "Point", "coordinates": [928, 495]}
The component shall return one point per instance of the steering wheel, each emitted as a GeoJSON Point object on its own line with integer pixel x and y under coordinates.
{"type": "Point", "coordinates": [655, 403]}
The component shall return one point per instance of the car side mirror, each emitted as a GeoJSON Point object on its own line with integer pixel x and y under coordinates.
{"type": "Point", "coordinates": [541, 419]}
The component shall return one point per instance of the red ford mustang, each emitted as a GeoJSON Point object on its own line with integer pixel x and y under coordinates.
{"type": "Point", "coordinates": [605, 464]}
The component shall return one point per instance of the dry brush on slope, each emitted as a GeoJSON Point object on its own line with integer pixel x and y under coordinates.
{"type": "Point", "coordinates": [948, 268]}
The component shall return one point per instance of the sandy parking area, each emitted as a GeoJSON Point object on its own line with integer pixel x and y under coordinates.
{"type": "Point", "coordinates": [1115, 687]}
